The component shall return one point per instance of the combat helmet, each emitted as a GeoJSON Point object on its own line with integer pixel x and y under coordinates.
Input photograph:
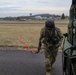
{"type": "Point", "coordinates": [49, 23]}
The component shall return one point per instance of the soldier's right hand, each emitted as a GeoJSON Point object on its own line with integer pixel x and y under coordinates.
{"type": "Point", "coordinates": [39, 48]}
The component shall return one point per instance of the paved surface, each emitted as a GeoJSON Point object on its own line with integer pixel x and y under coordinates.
{"type": "Point", "coordinates": [15, 62]}
{"type": "Point", "coordinates": [57, 67]}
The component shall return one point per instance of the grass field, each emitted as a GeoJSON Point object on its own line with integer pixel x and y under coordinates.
{"type": "Point", "coordinates": [9, 33]}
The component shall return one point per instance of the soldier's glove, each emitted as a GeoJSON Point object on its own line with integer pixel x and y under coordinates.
{"type": "Point", "coordinates": [39, 48]}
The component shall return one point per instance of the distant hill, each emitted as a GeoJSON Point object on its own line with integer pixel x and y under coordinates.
{"type": "Point", "coordinates": [30, 17]}
{"type": "Point", "coordinates": [47, 15]}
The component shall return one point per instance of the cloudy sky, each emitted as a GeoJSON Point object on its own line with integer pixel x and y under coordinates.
{"type": "Point", "coordinates": [25, 7]}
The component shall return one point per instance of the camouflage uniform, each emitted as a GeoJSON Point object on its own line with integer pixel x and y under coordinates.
{"type": "Point", "coordinates": [50, 49]}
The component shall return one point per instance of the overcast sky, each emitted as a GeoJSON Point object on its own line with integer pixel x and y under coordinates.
{"type": "Point", "coordinates": [25, 7]}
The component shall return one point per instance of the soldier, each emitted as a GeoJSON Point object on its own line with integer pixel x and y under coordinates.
{"type": "Point", "coordinates": [51, 37]}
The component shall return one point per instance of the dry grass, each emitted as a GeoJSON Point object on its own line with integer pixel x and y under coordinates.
{"type": "Point", "coordinates": [9, 34]}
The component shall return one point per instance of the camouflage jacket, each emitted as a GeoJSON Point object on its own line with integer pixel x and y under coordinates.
{"type": "Point", "coordinates": [57, 33]}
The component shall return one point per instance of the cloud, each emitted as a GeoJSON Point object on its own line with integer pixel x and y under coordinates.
{"type": "Point", "coordinates": [34, 6]}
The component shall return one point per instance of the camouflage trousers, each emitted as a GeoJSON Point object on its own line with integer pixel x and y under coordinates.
{"type": "Point", "coordinates": [50, 57]}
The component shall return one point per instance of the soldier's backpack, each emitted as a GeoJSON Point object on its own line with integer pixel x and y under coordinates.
{"type": "Point", "coordinates": [50, 36]}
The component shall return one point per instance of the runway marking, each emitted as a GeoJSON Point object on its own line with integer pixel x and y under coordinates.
{"type": "Point", "coordinates": [26, 45]}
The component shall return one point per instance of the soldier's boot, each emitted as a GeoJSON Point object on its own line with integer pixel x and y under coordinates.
{"type": "Point", "coordinates": [48, 73]}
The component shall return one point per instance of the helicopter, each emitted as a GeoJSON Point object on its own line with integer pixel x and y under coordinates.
{"type": "Point", "coordinates": [69, 48]}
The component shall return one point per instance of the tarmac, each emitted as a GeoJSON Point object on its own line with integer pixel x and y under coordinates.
{"type": "Point", "coordinates": [57, 66]}
{"type": "Point", "coordinates": [21, 62]}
